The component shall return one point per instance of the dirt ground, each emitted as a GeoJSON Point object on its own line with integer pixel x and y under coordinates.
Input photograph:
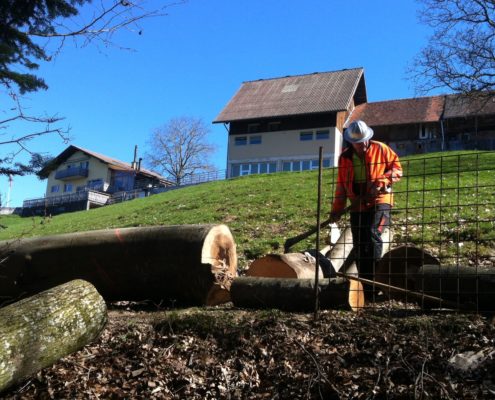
{"type": "Point", "coordinates": [228, 353]}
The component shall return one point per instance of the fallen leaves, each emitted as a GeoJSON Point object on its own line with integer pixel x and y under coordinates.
{"type": "Point", "coordinates": [222, 353]}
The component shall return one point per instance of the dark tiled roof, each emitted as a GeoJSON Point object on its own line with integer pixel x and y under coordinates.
{"type": "Point", "coordinates": [294, 95]}
{"type": "Point", "coordinates": [397, 112]}
{"type": "Point", "coordinates": [464, 106]}
{"type": "Point", "coordinates": [112, 162]}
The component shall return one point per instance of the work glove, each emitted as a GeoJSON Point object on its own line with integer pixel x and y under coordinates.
{"type": "Point", "coordinates": [335, 216]}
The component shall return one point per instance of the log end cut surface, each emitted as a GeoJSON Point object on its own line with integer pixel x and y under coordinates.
{"type": "Point", "coordinates": [219, 251]}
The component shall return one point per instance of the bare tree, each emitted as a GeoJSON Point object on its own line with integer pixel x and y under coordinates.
{"type": "Point", "coordinates": [460, 54]}
{"type": "Point", "coordinates": [180, 148]}
{"type": "Point", "coordinates": [36, 31]}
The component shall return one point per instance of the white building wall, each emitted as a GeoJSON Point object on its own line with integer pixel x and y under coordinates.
{"type": "Point", "coordinates": [96, 170]}
{"type": "Point", "coordinates": [277, 147]}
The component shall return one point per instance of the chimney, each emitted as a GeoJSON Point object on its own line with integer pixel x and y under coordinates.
{"type": "Point", "coordinates": [133, 164]}
{"type": "Point", "coordinates": [139, 164]}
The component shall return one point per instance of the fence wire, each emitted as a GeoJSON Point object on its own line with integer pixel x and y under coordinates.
{"type": "Point", "coordinates": [439, 245]}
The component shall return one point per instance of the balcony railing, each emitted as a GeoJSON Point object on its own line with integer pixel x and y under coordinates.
{"type": "Point", "coordinates": [91, 195]}
{"type": "Point", "coordinates": [71, 173]}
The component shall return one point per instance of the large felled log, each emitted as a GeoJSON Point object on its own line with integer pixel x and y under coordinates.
{"type": "Point", "coordinates": [290, 265]}
{"type": "Point", "coordinates": [179, 265]}
{"type": "Point", "coordinates": [399, 266]}
{"type": "Point", "coordinates": [37, 331]}
{"type": "Point", "coordinates": [469, 288]}
{"type": "Point", "coordinates": [296, 294]}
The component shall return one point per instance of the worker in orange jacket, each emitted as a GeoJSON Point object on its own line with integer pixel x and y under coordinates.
{"type": "Point", "coordinates": [366, 172]}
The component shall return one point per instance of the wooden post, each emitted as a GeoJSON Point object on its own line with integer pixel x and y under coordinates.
{"type": "Point", "coordinates": [318, 212]}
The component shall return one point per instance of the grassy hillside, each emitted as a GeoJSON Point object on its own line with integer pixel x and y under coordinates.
{"type": "Point", "coordinates": [442, 201]}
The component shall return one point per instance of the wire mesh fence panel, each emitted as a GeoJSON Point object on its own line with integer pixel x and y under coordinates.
{"type": "Point", "coordinates": [439, 245]}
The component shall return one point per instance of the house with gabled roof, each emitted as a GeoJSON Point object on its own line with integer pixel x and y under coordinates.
{"type": "Point", "coordinates": [429, 124]}
{"type": "Point", "coordinates": [278, 124]}
{"type": "Point", "coordinates": [409, 126]}
{"type": "Point", "coordinates": [80, 179]}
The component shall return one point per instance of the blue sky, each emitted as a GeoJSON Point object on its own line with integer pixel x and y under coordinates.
{"type": "Point", "coordinates": [192, 61]}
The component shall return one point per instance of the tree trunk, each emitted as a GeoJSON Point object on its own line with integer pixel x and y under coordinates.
{"type": "Point", "coordinates": [177, 265]}
{"type": "Point", "coordinates": [37, 331]}
{"type": "Point", "coordinates": [296, 294]}
{"type": "Point", "coordinates": [290, 265]}
{"type": "Point", "coordinates": [399, 266]}
{"type": "Point", "coordinates": [470, 288]}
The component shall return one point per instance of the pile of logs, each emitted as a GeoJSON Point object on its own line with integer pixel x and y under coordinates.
{"type": "Point", "coordinates": [71, 276]}
{"type": "Point", "coordinates": [296, 290]}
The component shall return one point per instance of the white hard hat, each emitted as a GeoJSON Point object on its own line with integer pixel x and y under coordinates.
{"type": "Point", "coordinates": [358, 132]}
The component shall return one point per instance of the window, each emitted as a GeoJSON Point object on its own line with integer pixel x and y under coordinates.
{"type": "Point", "coordinates": [80, 188]}
{"type": "Point", "coordinates": [68, 187]}
{"type": "Point", "coordinates": [322, 135]}
{"type": "Point", "coordinates": [55, 189]}
{"type": "Point", "coordinates": [255, 139]}
{"type": "Point", "coordinates": [122, 181]}
{"type": "Point", "coordinates": [253, 168]}
{"type": "Point", "coordinates": [305, 136]}
{"type": "Point", "coordinates": [241, 141]}
{"type": "Point", "coordinates": [425, 132]}
{"type": "Point", "coordinates": [253, 128]}
{"type": "Point", "coordinates": [96, 184]}
{"type": "Point", "coordinates": [304, 165]}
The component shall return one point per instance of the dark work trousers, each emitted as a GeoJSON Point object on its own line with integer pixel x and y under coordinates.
{"type": "Point", "coordinates": [367, 228]}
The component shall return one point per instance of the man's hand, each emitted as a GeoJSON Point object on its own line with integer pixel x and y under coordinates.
{"type": "Point", "coordinates": [376, 188]}
{"type": "Point", "coordinates": [335, 217]}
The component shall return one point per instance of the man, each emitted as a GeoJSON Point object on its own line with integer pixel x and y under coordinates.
{"type": "Point", "coordinates": [367, 170]}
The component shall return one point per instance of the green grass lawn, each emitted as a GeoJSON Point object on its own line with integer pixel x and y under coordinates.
{"type": "Point", "coordinates": [445, 203]}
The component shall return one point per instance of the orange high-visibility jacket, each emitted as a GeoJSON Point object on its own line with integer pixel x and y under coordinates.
{"type": "Point", "coordinates": [382, 169]}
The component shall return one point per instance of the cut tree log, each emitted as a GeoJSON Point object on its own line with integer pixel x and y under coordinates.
{"type": "Point", "coordinates": [176, 265]}
{"type": "Point", "coordinates": [290, 265]}
{"type": "Point", "coordinates": [296, 294]}
{"type": "Point", "coordinates": [38, 331]}
{"type": "Point", "coordinates": [471, 288]}
{"type": "Point", "coordinates": [399, 266]}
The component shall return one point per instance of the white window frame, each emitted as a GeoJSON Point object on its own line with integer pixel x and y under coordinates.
{"type": "Point", "coordinates": [253, 168]}
{"type": "Point", "coordinates": [313, 164]}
